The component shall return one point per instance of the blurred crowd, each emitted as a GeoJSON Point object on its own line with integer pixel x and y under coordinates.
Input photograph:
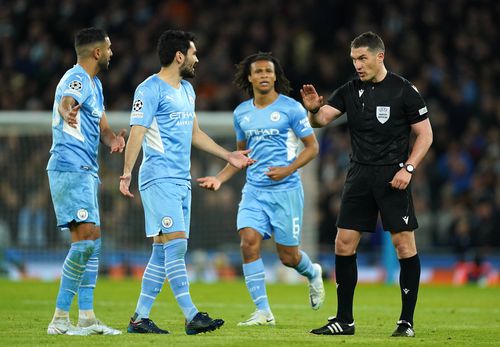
{"type": "Point", "coordinates": [448, 49]}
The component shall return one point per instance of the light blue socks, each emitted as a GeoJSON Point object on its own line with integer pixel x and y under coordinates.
{"type": "Point", "coordinates": [175, 267]}
{"type": "Point", "coordinates": [305, 267]}
{"type": "Point", "coordinates": [86, 289]}
{"type": "Point", "coordinates": [254, 279]}
{"type": "Point", "coordinates": [72, 272]}
{"type": "Point", "coordinates": [152, 282]}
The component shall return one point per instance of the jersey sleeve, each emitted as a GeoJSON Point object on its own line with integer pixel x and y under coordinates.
{"type": "Point", "coordinates": [299, 121]}
{"type": "Point", "coordinates": [240, 134]}
{"type": "Point", "coordinates": [413, 104]}
{"type": "Point", "coordinates": [337, 98]}
{"type": "Point", "coordinates": [77, 85]}
{"type": "Point", "coordinates": [144, 107]}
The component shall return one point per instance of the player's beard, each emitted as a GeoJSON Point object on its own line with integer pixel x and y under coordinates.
{"type": "Point", "coordinates": [103, 65]}
{"type": "Point", "coordinates": [187, 71]}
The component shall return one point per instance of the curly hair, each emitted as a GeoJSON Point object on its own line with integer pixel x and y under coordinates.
{"type": "Point", "coordinates": [282, 84]}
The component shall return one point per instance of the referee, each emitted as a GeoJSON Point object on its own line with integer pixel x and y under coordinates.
{"type": "Point", "coordinates": [382, 110]}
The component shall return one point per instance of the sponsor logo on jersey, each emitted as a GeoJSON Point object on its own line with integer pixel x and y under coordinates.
{"type": "Point", "coordinates": [183, 118]}
{"type": "Point", "coordinates": [82, 214]}
{"type": "Point", "coordinates": [383, 113]}
{"type": "Point", "coordinates": [406, 218]}
{"type": "Point", "coordinates": [246, 119]}
{"type": "Point", "coordinates": [422, 111]}
{"type": "Point", "coordinates": [275, 116]}
{"type": "Point", "coordinates": [167, 222]}
{"type": "Point", "coordinates": [259, 134]}
{"type": "Point", "coordinates": [360, 92]}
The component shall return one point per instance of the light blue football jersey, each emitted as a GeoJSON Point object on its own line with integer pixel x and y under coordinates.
{"type": "Point", "coordinates": [272, 133]}
{"type": "Point", "coordinates": [75, 149]}
{"type": "Point", "coordinates": [168, 114]}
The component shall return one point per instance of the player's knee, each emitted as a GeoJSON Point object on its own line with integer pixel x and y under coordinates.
{"type": "Point", "coordinates": [248, 245]}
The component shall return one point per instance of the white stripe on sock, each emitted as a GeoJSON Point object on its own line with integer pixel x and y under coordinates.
{"type": "Point", "coordinates": [175, 261]}
{"type": "Point", "coordinates": [153, 280]}
{"type": "Point", "coordinates": [173, 278]}
{"type": "Point", "coordinates": [148, 296]}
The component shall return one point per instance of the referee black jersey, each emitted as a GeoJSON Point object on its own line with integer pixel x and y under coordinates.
{"type": "Point", "coordinates": [379, 117]}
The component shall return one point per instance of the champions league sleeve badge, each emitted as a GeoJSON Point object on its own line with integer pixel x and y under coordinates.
{"type": "Point", "coordinates": [75, 85]}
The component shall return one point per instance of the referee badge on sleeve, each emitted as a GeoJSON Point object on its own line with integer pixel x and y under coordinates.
{"type": "Point", "coordinates": [383, 113]}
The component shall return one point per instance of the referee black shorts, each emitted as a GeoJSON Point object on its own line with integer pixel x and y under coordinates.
{"type": "Point", "coordinates": [367, 192]}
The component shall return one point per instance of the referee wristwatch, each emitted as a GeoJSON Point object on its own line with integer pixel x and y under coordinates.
{"type": "Point", "coordinates": [410, 168]}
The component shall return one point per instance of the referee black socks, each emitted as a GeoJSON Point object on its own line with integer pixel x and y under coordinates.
{"type": "Point", "coordinates": [409, 279]}
{"type": "Point", "coordinates": [346, 276]}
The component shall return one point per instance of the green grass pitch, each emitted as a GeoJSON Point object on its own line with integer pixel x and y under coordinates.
{"type": "Point", "coordinates": [445, 316]}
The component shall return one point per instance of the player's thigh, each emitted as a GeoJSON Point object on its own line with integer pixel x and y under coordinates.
{"type": "Point", "coordinates": [251, 214]}
{"type": "Point", "coordinates": [74, 196]}
{"type": "Point", "coordinates": [285, 211]}
{"type": "Point", "coordinates": [358, 208]}
{"type": "Point", "coordinates": [166, 208]}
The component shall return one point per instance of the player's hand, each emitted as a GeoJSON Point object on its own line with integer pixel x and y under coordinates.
{"type": "Point", "coordinates": [401, 179]}
{"type": "Point", "coordinates": [312, 101]}
{"type": "Point", "coordinates": [125, 180]}
{"type": "Point", "coordinates": [240, 159]}
{"type": "Point", "coordinates": [70, 117]}
{"type": "Point", "coordinates": [277, 173]}
{"type": "Point", "coordinates": [118, 144]}
{"type": "Point", "coordinates": [209, 182]}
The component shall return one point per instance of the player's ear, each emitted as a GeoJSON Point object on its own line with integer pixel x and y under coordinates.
{"type": "Point", "coordinates": [96, 52]}
{"type": "Point", "coordinates": [179, 57]}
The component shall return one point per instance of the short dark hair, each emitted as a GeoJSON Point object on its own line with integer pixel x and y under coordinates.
{"type": "Point", "coordinates": [282, 84]}
{"type": "Point", "coordinates": [370, 40]}
{"type": "Point", "coordinates": [89, 35]}
{"type": "Point", "coordinates": [171, 42]}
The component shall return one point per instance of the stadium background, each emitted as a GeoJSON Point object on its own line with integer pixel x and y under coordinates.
{"type": "Point", "coordinates": [448, 49]}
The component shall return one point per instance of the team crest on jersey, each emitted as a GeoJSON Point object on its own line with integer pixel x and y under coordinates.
{"type": "Point", "coordinates": [383, 113]}
{"type": "Point", "coordinates": [82, 214]}
{"type": "Point", "coordinates": [75, 85]}
{"type": "Point", "coordinates": [137, 106]}
{"type": "Point", "coordinates": [167, 222]}
{"type": "Point", "coordinates": [275, 116]}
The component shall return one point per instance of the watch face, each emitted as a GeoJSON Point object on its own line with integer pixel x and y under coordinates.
{"type": "Point", "coordinates": [410, 168]}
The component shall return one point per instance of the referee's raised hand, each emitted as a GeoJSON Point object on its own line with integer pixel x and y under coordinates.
{"type": "Point", "coordinates": [312, 101]}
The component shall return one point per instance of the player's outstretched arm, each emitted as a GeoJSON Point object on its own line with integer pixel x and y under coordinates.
{"type": "Point", "coordinates": [201, 140]}
{"type": "Point", "coordinates": [68, 110]}
{"type": "Point", "coordinates": [214, 182]}
{"type": "Point", "coordinates": [132, 150]}
{"type": "Point", "coordinates": [116, 142]}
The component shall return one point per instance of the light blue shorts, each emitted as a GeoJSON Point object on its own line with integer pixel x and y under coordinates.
{"type": "Point", "coordinates": [74, 195]}
{"type": "Point", "coordinates": [273, 212]}
{"type": "Point", "coordinates": [167, 208]}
